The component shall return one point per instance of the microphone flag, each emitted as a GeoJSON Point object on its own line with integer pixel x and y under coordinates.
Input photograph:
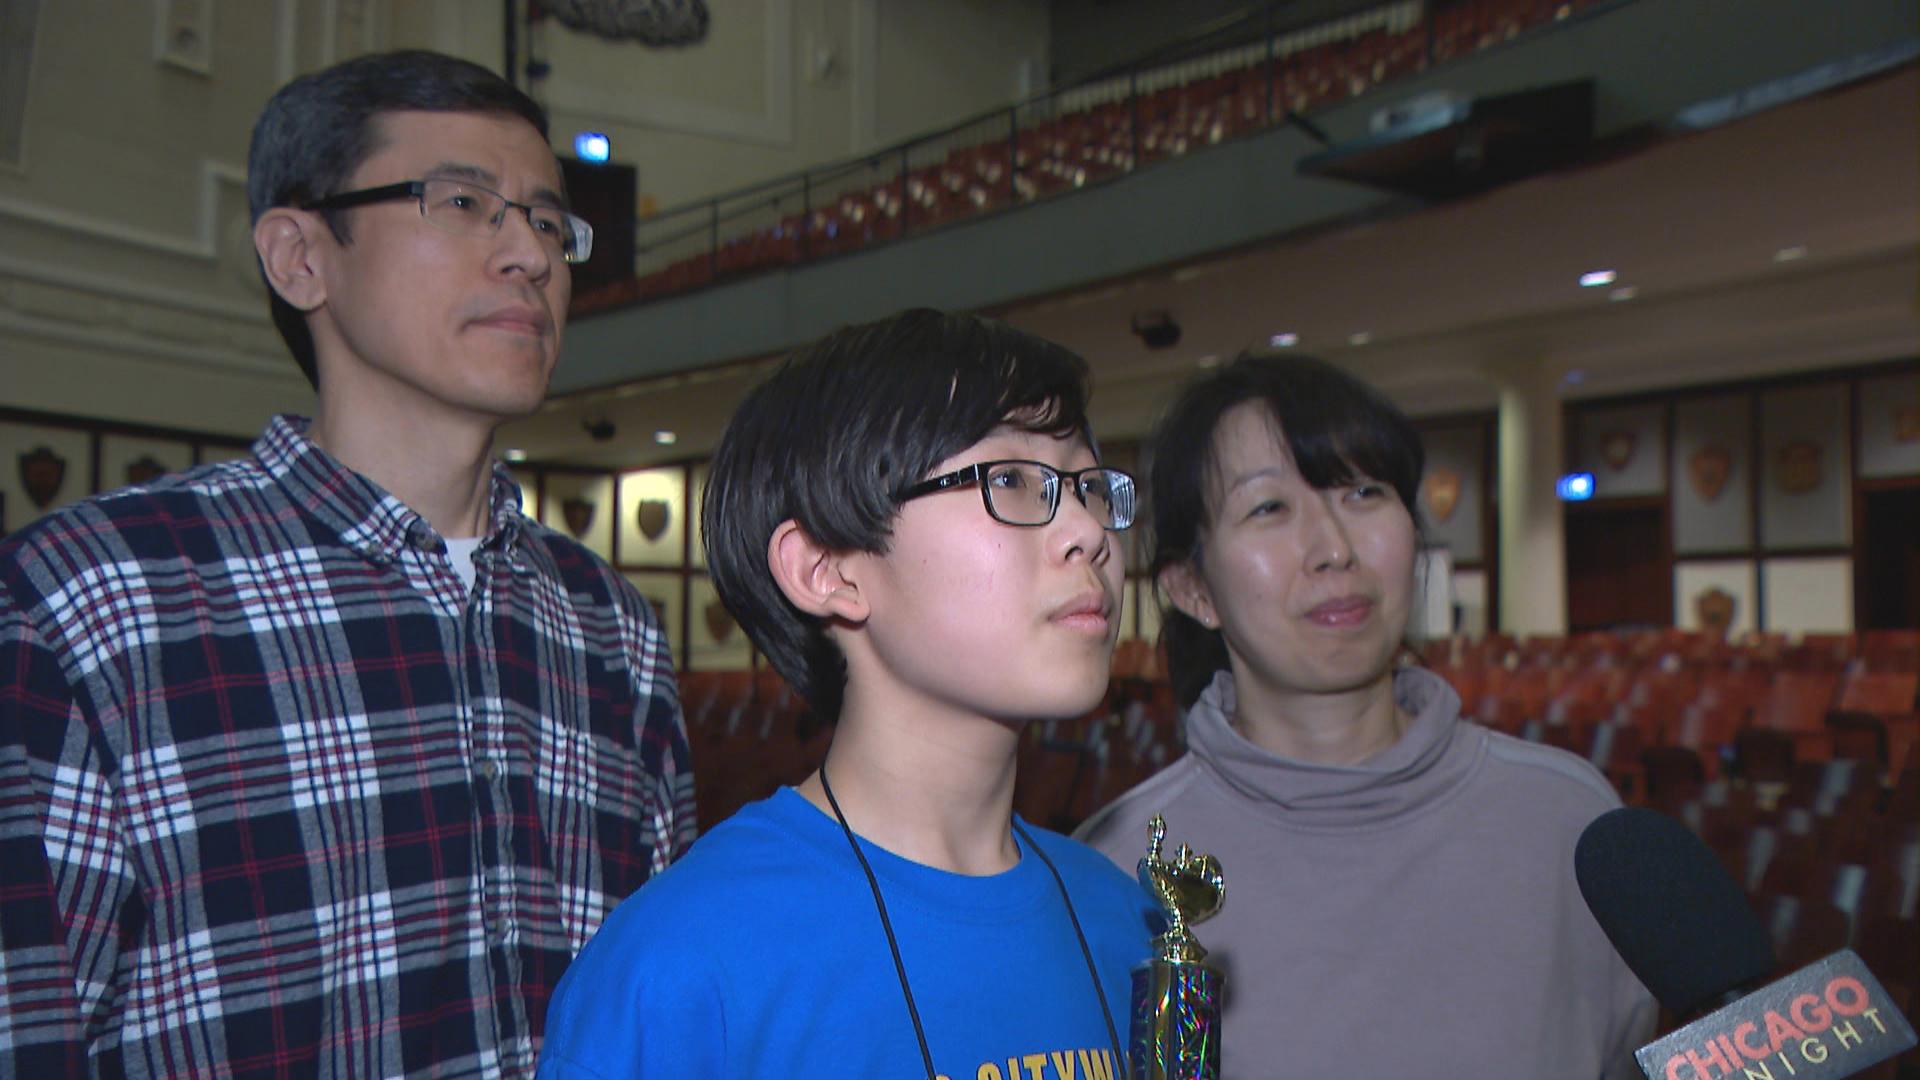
{"type": "Point", "coordinates": [1827, 1020]}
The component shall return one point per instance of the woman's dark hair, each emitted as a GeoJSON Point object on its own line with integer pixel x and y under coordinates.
{"type": "Point", "coordinates": [1338, 430]}
{"type": "Point", "coordinates": [318, 129]}
{"type": "Point", "coordinates": [839, 431]}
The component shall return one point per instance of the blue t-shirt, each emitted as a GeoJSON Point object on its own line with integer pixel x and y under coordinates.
{"type": "Point", "coordinates": [760, 954]}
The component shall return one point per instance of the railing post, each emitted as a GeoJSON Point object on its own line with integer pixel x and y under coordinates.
{"type": "Point", "coordinates": [1273, 75]}
{"type": "Point", "coordinates": [1426, 20]}
{"type": "Point", "coordinates": [806, 216]}
{"type": "Point", "coordinates": [906, 204]}
{"type": "Point", "coordinates": [1133, 128]}
{"type": "Point", "coordinates": [1013, 153]}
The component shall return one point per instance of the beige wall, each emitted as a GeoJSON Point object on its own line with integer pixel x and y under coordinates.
{"type": "Point", "coordinates": [127, 282]}
{"type": "Point", "coordinates": [128, 287]}
{"type": "Point", "coordinates": [778, 86]}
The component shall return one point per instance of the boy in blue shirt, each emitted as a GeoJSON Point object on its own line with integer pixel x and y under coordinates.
{"type": "Point", "coordinates": [910, 520]}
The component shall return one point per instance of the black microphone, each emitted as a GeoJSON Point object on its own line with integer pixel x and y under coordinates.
{"type": "Point", "coordinates": [1685, 929]}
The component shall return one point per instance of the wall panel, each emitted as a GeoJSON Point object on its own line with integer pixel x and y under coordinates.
{"type": "Point", "coordinates": [1733, 577]}
{"type": "Point", "coordinates": [1453, 493]}
{"type": "Point", "coordinates": [1809, 596]}
{"type": "Point", "coordinates": [1624, 448]}
{"type": "Point", "coordinates": [1712, 480]}
{"type": "Point", "coordinates": [1805, 493]}
{"type": "Point", "coordinates": [1889, 411]}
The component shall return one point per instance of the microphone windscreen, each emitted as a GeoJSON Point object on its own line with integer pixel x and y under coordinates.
{"type": "Point", "coordinates": [1680, 923]}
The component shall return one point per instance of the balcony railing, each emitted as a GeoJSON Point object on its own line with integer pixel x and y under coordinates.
{"type": "Point", "coordinates": [1247, 75]}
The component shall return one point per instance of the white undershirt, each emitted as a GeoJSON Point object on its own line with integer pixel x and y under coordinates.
{"type": "Point", "coordinates": [461, 552]}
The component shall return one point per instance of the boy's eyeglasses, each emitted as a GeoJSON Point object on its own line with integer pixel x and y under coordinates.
{"type": "Point", "coordinates": [1028, 492]}
{"type": "Point", "coordinates": [457, 206]}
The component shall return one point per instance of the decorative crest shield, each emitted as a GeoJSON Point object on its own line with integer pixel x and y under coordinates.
{"type": "Point", "coordinates": [1616, 449]}
{"type": "Point", "coordinates": [719, 622]}
{"type": "Point", "coordinates": [41, 473]}
{"type": "Point", "coordinates": [1443, 493]}
{"type": "Point", "coordinates": [1714, 607]}
{"type": "Point", "coordinates": [1709, 468]}
{"type": "Point", "coordinates": [653, 517]}
{"type": "Point", "coordinates": [146, 470]}
{"type": "Point", "coordinates": [1797, 467]}
{"type": "Point", "coordinates": [578, 513]}
{"type": "Point", "coordinates": [1906, 424]}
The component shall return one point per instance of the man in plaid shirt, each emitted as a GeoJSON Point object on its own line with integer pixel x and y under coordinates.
{"type": "Point", "coordinates": [326, 762]}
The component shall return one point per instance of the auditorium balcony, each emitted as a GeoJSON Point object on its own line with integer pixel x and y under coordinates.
{"type": "Point", "coordinates": [1252, 132]}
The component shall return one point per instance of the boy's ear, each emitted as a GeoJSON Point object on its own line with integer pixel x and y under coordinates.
{"type": "Point", "coordinates": [812, 576]}
{"type": "Point", "coordinates": [284, 239]}
{"type": "Point", "coordinates": [1184, 587]}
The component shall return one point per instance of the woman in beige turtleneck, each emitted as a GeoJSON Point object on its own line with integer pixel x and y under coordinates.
{"type": "Point", "coordinates": [1400, 889]}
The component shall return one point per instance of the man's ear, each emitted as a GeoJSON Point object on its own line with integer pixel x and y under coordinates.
{"type": "Point", "coordinates": [285, 240]}
{"type": "Point", "coordinates": [1188, 592]}
{"type": "Point", "coordinates": [813, 577]}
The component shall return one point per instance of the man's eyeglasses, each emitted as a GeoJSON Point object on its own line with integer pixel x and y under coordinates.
{"type": "Point", "coordinates": [457, 206]}
{"type": "Point", "coordinates": [1028, 492]}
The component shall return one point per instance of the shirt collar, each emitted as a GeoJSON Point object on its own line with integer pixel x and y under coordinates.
{"type": "Point", "coordinates": [366, 517]}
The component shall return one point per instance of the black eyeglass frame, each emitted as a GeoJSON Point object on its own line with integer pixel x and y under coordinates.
{"type": "Point", "coordinates": [976, 474]}
{"type": "Point", "coordinates": [417, 190]}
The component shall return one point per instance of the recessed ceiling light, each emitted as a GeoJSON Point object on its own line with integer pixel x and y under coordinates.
{"type": "Point", "coordinates": [1284, 341]}
{"type": "Point", "coordinates": [1593, 278]}
{"type": "Point", "coordinates": [516, 454]}
{"type": "Point", "coordinates": [1624, 292]}
{"type": "Point", "coordinates": [1210, 360]}
{"type": "Point", "coordinates": [665, 437]}
{"type": "Point", "coordinates": [1790, 254]}
{"type": "Point", "coordinates": [1363, 337]}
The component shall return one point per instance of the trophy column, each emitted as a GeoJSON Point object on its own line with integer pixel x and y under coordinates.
{"type": "Point", "coordinates": [1176, 994]}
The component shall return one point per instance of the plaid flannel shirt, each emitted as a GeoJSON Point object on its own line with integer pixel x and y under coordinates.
{"type": "Point", "coordinates": [280, 797]}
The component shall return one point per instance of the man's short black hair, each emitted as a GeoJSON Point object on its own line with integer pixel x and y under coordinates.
{"type": "Point", "coordinates": [839, 431]}
{"type": "Point", "coordinates": [1338, 430]}
{"type": "Point", "coordinates": [318, 129]}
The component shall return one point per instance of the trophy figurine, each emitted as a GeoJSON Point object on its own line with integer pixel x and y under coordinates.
{"type": "Point", "coordinates": [1176, 995]}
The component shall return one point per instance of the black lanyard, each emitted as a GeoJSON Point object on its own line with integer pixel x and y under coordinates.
{"type": "Point", "coordinates": [900, 967]}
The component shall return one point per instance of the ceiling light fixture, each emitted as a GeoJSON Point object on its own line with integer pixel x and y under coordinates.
{"type": "Point", "coordinates": [1363, 337]}
{"type": "Point", "coordinates": [665, 437]}
{"type": "Point", "coordinates": [516, 455]}
{"type": "Point", "coordinates": [1284, 341]}
{"type": "Point", "coordinates": [1624, 292]}
{"type": "Point", "coordinates": [1790, 254]}
{"type": "Point", "coordinates": [1211, 360]}
{"type": "Point", "coordinates": [1594, 278]}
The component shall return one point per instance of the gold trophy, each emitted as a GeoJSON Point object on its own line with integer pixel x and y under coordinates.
{"type": "Point", "coordinates": [1176, 995]}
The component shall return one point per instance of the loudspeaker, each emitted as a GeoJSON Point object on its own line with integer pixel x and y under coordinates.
{"type": "Point", "coordinates": [605, 196]}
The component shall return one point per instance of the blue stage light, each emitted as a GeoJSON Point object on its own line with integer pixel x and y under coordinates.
{"type": "Point", "coordinates": [593, 146]}
{"type": "Point", "coordinates": [1575, 487]}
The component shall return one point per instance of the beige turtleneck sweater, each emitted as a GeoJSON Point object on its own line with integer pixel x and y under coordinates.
{"type": "Point", "coordinates": [1414, 915]}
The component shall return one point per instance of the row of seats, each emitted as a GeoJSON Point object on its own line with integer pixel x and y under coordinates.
{"type": "Point", "coordinates": [750, 734]}
{"type": "Point", "coordinates": [887, 200]}
{"type": "Point", "coordinates": [1663, 715]}
{"type": "Point", "coordinates": [1610, 696]}
{"type": "Point", "coordinates": [1776, 752]}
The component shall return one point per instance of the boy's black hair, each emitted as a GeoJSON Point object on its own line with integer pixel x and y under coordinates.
{"type": "Point", "coordinates": [318, 129]}
{"type": "Point", "coordinates": [839, 431]}
{"type": "Point", "coordinates": [1338, 429]}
